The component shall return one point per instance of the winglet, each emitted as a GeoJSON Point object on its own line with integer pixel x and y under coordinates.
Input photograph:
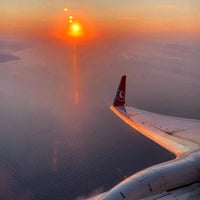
{"type": "Point", "coordinates": [121, 92]}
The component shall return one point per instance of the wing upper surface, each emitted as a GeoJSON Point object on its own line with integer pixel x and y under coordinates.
{"type": "Point", "coordinates": [178, 135]}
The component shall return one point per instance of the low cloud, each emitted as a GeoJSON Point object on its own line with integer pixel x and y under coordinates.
{"type": "Point", "coordinates": [95, 195]}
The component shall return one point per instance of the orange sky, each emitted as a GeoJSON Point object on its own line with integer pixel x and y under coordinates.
{"type": "Point", "coordinates": [106, 19]}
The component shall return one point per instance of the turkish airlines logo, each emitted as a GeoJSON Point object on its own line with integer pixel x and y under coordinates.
{"type": "Point", "coordinates": [121, 96]}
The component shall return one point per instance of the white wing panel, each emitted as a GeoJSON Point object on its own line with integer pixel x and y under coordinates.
{"type": "Point", "coordinates": [178, 135]}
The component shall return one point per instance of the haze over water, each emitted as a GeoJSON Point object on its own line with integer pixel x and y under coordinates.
{"type": "Point", "coordinates": [58, 138]}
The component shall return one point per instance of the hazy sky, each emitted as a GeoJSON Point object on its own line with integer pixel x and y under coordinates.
{"type": "Point", "coordinates": [122, 16]}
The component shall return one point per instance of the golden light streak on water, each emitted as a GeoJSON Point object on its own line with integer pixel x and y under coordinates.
{"type": "Point", "coordinates": [76, 74]}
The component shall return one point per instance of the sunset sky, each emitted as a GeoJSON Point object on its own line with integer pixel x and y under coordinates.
{"type": "Point", "coordinates": [57, 132]}
{"type": "Point", "coordinates": [44, 17]}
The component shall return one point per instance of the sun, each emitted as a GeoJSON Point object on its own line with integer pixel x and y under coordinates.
{"type": "Point", "coordinates": [75, 30]}
{"type": "Point", "coordinates": [75, 27]}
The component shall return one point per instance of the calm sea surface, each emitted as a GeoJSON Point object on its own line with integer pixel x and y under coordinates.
{"type": "Point", "coordinates": [58, 138]}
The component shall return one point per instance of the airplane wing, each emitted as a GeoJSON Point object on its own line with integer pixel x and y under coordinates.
{"type": "Point", "coordinates": [178, 179]}
{"type": "Point", "coordinates": [177, 135]}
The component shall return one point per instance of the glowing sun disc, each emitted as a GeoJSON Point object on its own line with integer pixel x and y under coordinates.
{"type": "Point", "coordinates": [76, 27]}
{"type": "Point", "coordinates": [75, 30]}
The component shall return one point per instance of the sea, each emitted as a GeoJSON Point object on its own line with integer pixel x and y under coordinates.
{"type": "Point", "coordinates": [59, 140]}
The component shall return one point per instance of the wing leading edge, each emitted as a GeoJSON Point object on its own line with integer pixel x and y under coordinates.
{"type": "Point", "coordinates": [177, 135]}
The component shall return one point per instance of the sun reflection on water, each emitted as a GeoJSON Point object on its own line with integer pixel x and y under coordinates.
{"type": "Point", "coordinates": [76, 74]}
